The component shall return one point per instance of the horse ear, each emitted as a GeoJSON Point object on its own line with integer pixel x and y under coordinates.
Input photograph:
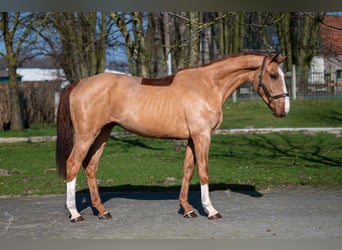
{"type": "Point", "coordinates": [278, 59]}
{"type": "Point", "coordinates": [281, 59]}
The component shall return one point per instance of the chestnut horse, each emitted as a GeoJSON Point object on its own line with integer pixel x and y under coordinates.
{"type": "Point", "coordinates": [186, 105]}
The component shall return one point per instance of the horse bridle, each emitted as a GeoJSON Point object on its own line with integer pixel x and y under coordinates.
{"type": "Point", "coordinates": [261, 85]}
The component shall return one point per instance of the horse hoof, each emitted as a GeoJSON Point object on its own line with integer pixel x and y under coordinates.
{"type": "Point", "coordinates": [77, 219]}
{"type": "Point", "coordinates": [105, 216]}
{"type": "Point", "coordinates": [190, 214]}
{"type": "Point", "coordinates": [215, 217]}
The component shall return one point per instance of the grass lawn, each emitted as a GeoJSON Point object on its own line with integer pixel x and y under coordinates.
{"type": "Point", "coordinates": [307, 113]}
{"type": "Point", "coordinates": [135, 163]}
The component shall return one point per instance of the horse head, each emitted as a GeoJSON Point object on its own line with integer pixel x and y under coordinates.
{"type": "Point", "coordinates": [269, 83]}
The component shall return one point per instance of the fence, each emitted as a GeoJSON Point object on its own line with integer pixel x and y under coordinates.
{"type": "Point", "coordinates": [313, 85]}
{"type": "Point", "coordinates": [317, 85]}
{"type": "Point", "coordinates": [36, 100]}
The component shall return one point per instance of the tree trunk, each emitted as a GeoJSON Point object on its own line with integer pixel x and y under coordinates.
{"type": "Point", "coordinates": [298, 38]}
{"type": "Point", "coordinates": [8, 31]}
{"type": "Point", "coordinates": [17, 115]}
{"type": "Point", "coordinates": [100, 45]}
{"type": "Point", "coordinates": [194, 39]}
{"type": "Point", "coordinates": [167, 41]}
{"type": "Point", "coordinates": [83, 52]}
{"type": "Point", "coordinates": [224, 36]}
{"type": "Point", "coordinates": [284, 35]}
{"type": "Point", "coordinates": [236, 36]}
{"type": "Point", "coordinates": [181, 36]}
{"type": "Point", "coordinates": [264, 35]}
{"type": "Point", "coordinates": [142, 54]}
{"type": "Point", "coordinates": [135, 42]}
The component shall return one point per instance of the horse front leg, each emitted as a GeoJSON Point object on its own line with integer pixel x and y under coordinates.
{"type": "Point", "coordinates": [202, 144]}
{"type": "Point", "coordinates": [188, 170]}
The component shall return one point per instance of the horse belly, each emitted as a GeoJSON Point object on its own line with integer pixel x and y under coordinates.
{"type": "Point", "coordinates": [156, 132]}
{"type": "Point", "coordinates": [154, 120]}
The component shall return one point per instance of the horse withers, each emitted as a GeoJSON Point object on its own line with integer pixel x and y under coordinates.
{"type": "Point", "coordinates": [186, 105]}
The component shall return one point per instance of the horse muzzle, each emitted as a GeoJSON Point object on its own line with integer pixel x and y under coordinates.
{"type": "Point", "coordinates": [280, 107]}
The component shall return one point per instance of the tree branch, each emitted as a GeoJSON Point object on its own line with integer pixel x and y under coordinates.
{"type": "Point", "coordinates": [320, 19]}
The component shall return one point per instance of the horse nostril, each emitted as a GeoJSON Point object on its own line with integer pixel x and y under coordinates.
{"type": "Point", "coordinates": [278, 113]}
{"type": "Point", "coordinates": [284, 113]}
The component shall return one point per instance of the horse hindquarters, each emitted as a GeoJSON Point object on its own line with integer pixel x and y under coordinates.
{"type": "Point", "coordinates": [69, 155]}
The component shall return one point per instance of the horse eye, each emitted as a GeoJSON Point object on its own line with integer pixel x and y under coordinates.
{"type": "Point", "coordinates": [273, 76]}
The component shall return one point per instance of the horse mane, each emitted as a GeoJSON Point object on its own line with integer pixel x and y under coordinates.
{"type": "Point", "coordinates": [246, 53]}
{"type": "Point", "coordinates": [167, 81]}
{"type": "Point", "coordinates": [230, 56]}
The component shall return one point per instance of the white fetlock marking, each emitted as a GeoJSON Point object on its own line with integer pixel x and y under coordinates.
{"type": "Point", "coordinates": [206, 202]}
{"type": "Point", "coordinates": [71, 199]}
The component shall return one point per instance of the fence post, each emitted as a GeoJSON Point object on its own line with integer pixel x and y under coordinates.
{"type": "Point", "coordinates": [56, 104]}
{"type": "Point", "coordinates": [293, 83]}
{"type": "Point", "coordinates": [234, 96]}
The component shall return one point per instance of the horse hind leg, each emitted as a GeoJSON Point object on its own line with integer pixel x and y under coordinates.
{"type": "Point", "coordinates": [75, 216]}
{"type": "Point", "coordinates": [73, 164]}
{"type": "Point", "coordinates": [90, 165]}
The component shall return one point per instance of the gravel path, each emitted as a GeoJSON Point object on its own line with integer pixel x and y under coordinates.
{"type": "Point", "coordinates": [278, 214]}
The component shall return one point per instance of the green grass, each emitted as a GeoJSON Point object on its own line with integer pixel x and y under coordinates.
{"type": "Point", "coordinates": [135, 163]}
{"type": "Point", "coordinates": [33, 130]}
{"type": "Point", "coordinates": [308, 113]}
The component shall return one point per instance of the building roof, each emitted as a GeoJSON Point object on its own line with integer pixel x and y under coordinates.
{"type": "Point", "coordinates": [39, 74]}
{"type": "Point", "coordinates": [331, 37]}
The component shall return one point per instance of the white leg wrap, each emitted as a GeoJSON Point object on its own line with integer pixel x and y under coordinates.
{"type": "Point", "coordinates": [206, 202]}
{"type": "Point", "coordinates": [71, 199]}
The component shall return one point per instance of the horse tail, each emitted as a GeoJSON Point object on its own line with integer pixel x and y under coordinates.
{"type": "Point", "coordinates": [64, 141]}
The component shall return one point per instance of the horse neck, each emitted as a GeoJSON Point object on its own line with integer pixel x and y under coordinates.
{"type": "Point", "coordinates": [230, 73]}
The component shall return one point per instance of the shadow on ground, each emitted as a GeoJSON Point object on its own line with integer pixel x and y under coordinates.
{"type": "Point", "coordinates": [159, 193]}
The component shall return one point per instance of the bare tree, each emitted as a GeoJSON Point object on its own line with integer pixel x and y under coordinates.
{"type": "Point", "coordinates": [15, 28]}
{"type": "Point", "coordinates": [133, 32]}
{"type": "Point", "coordinates": [77, 41]}
{"type": "Point", "coordinates": [299, 38]}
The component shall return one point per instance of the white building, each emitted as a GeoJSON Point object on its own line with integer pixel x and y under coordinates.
{"type": "Point", "coordinates": [41, 75]}
{"type": "Point", "coordinates": [317, 70]}
{"type": "Point", "coordinates": [38, 74]}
